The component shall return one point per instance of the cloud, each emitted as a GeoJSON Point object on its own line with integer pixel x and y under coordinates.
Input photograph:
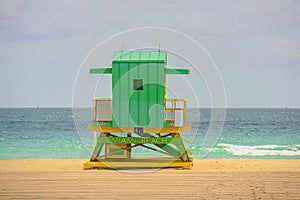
{"type": "Point", "coordinates": [240, 18]}
{"type": "Point", "coordinates": [215, 26]}
{"type": "Point", "coordinates": [37, 20]}
{"type": "Point", "coordinates": [144, 6]}
{"type": "Point", "coordinates": [33, 20]}
{"type": "Point", "coordinates": [285, 49]}
{"type": "Point", "coordinates": [282, 11]}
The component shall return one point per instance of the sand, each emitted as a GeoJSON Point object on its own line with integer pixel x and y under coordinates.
{"type": "Point", "coordinates": [209, 179]}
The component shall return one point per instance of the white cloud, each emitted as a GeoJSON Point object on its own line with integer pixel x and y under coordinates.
{"type": "Point", "coordinates": [285, 49]}
{"type": "Point", "coordinates": [61, 19]}
{"type": "Point", "coordinates": [240, 18]}
{"type": "Point", "coordinates": [283, 11]}
{"type": "Point", "coordinates": [221, 25]}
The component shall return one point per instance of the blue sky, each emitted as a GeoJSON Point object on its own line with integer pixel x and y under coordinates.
{"type": "Point", "coordinates": [256, 45]}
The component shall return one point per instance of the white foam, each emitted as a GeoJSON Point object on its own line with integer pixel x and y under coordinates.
{"type": "Point", "coordinates": [262, 150]}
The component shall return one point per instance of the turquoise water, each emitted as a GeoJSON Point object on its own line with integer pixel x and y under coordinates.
{"type": "Point", "coordinates": [247, 133]}
{"type": "Point", "coordinates": [255, 133]}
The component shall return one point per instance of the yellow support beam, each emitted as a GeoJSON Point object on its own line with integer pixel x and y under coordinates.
{"type": "Point", "coordinates": [170, 129]}
{"type": "Point", "coordinates": [102, 99]}
{"type": "Point", "coordinates": [139, 163]}
{"type": "Point", "coordinates": [187, 140]}
{"type": "Point", "coordinates": [189, 152]}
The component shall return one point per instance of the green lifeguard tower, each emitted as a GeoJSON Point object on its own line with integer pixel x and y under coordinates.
{"type": "Point", "coordinates": [139, 115]}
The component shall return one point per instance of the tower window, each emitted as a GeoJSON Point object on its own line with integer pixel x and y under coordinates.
{"type": "Point", "coordinates": [138, 84]}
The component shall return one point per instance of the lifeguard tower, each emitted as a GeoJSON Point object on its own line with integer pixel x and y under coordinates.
{"type": "Point", "coordinates": [139, 115]}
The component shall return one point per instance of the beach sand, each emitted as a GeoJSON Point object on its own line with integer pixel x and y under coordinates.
{"type": "Point", "coordinates": [208, 179]}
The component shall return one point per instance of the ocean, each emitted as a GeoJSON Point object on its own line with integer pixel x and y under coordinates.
{"type": "Point", "coordinates": [62, 133]}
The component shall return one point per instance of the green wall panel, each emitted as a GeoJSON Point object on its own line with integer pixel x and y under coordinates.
{"type": "Point", "coordinates": [138, 108]}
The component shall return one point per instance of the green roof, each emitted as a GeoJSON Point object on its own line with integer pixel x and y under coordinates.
{"type": "Point", "coordinates": [147, 56]}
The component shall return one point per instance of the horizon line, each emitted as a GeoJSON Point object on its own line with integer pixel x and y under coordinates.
{"type": "Point", "coordinates": [232, 107]}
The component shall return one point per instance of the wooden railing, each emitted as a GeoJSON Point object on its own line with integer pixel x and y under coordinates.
{"type": "Point", "coordinates": [175, 109]}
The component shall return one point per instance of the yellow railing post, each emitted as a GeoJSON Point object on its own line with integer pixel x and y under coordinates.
{"type": "Point", "coordinates": [95, 114]}
{"type": "Point", "coordinates": [173, 107]}
{"type": "Point", "coordinates": [184, 113]}
{"type": "Point", "coordinates": [95, 139]}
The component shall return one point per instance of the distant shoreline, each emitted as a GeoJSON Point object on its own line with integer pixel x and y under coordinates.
{"type": "Point", "coordinates": [41, 107]}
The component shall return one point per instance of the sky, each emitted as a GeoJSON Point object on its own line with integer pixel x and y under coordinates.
{"type": "Point", "coordinates": [254, 43]}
